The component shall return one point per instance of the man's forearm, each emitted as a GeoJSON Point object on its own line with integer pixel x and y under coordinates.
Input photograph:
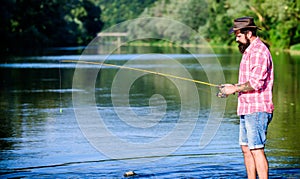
{"type": "Point", "coordinates": [246, 87]}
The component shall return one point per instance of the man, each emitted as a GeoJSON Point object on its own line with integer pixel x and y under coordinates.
{"type": "Point", "coordinates": [255, 106]}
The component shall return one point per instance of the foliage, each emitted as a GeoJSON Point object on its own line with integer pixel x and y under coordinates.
{"type": "Point", "coordinates": [177, 10]}
{"type": "Point", "coordinates": [31, 23]}
{"type": "Point", "coordinates": [117, 11]}
{"type": "Point", "coordinates": [295, 47]}
{"type": "Point", "coordinates": [278, 19]}
{"type": "Point", "coordinates": [45, 23]}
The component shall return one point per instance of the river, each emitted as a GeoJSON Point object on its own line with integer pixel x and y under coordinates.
{"type": "Point", "coordinates": [63, 119]}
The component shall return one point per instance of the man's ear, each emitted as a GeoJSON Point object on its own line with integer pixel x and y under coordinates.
{"type": "Point", "coordinates": [249, 34]}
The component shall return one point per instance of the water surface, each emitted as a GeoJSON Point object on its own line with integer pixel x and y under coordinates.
{"type": "Point", "coordinates": [40, 136]}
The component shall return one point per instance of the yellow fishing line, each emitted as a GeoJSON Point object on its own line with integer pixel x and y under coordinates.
{"type": "Point", "coordinates": [142, 70]}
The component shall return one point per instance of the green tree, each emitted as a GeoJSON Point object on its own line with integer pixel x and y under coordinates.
{"type": "Point", "coordinates": [278, 19]}
{"type": "Point", "coordinates": [281, 20]}
{"type": "Point", "coordinates": [117, 11]}
{"type": "Point", "coordinates": [45, 23]}
{"type": "Point", "coordinates": [218, 23]}
{"type": "Point", "coordinates": [6, 25]}
{"type": "Point", "coordinates": [197, 11]}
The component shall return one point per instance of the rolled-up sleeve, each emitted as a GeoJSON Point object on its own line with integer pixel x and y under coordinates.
{"type": "Point", "coordinates": [258, 69]}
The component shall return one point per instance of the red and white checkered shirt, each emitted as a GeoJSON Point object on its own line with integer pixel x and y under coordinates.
{"type": "Point", "coordinates": [256, 67]}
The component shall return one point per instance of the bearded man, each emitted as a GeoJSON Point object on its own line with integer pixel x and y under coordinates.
{"type": "Point", "coordinates": [254, 88]}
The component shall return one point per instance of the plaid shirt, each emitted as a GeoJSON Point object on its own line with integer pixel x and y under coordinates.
{"type": "Point", "coordinates": [256, 67]}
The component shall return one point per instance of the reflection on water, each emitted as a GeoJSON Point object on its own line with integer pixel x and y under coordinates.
{"type": "Point", "coordinates": [40, 137]}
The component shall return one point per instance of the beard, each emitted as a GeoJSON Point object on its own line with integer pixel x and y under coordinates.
{"type": "Point", "coordinates": [243, 46]}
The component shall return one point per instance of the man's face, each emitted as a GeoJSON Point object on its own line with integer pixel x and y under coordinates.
{"type": "Point", "coordinates": [242, 40]}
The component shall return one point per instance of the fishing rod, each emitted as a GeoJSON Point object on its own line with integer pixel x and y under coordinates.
{"type": "Point", "coordinates": [219, 93]}
{"type": "Point", "coordinates": [142, 70]}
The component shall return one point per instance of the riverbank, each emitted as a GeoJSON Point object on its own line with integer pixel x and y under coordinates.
{"type": "Point", "coordinates": [293, 50]}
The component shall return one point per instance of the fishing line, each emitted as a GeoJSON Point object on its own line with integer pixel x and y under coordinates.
{"type": "Point", "coordinates": [59, 71]}
{"type": "Point", "coordinates": [142, 70]}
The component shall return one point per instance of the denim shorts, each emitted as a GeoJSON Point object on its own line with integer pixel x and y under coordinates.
{"type": "Point", "coordinates": [253, 129]}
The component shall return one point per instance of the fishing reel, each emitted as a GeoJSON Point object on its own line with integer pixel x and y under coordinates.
{"type": "Point", "coordinates": [220, 94]}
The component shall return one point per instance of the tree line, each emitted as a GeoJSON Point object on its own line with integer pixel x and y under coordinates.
{"type": "Point", "coordinates": [279, 20]}
{"type": "Point", "coordinates": [56, 23]}
{"type": "Point", "coordinates": [48, 23]}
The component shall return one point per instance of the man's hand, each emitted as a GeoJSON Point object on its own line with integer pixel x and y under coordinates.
{"type": "Point", "coordinates": [228, 89]}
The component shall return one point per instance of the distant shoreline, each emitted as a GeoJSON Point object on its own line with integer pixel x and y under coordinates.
{"type": "Point", "coordinates": [166, 44]}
